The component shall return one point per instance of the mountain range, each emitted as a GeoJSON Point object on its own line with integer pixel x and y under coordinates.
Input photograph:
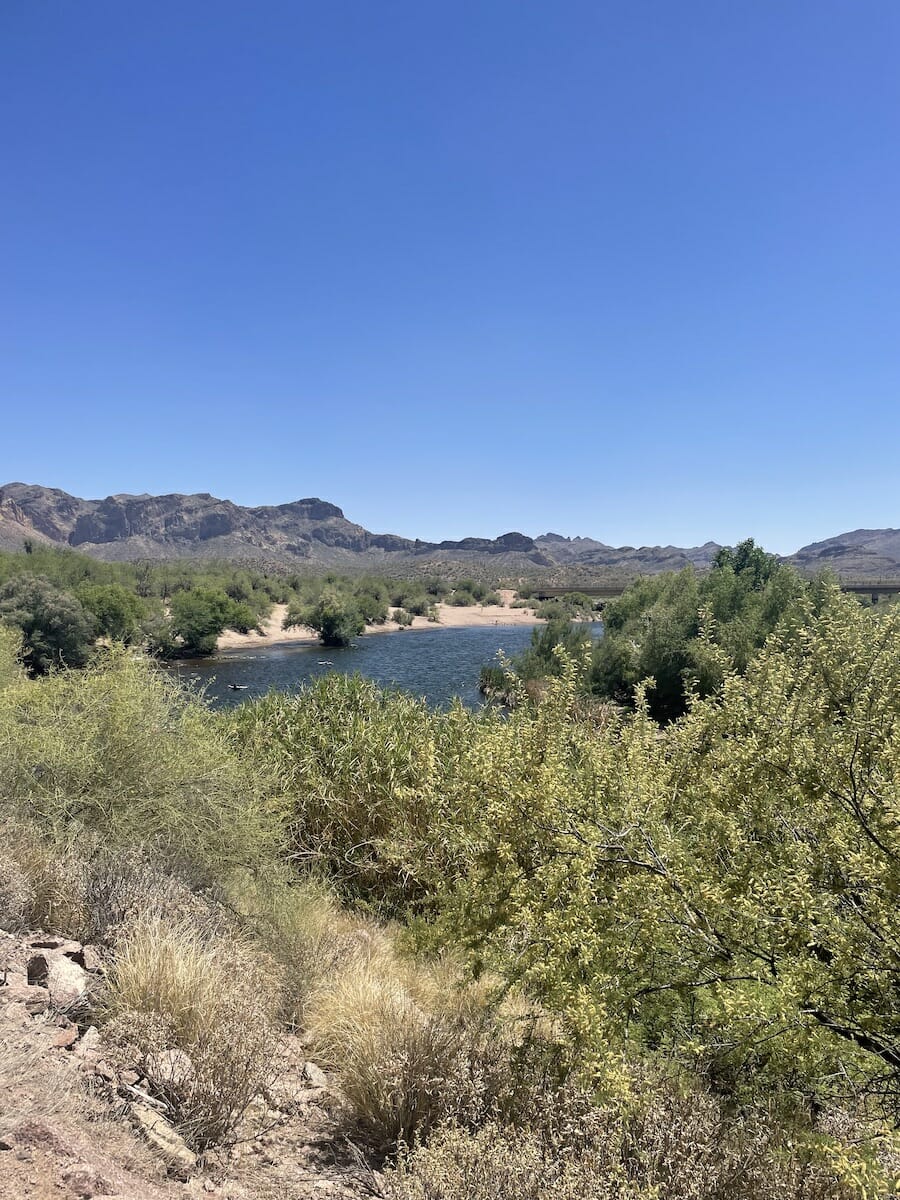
{"type": "Point", "coordinates": [314, 533]}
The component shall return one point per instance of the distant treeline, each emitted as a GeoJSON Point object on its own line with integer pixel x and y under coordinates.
{"type": "Point", "coordinates": [669, 636]}
{"type": "Point", "coordinates": [64, 602]}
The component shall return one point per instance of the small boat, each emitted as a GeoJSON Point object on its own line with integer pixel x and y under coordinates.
{"type": "Point", "coordinates": [325, 662]}
{"type": "Point", "coordinates": [238, 687]}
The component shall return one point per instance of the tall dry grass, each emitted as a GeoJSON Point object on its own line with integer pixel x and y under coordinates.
{"type": "Point", "coordinates": [175, 987]}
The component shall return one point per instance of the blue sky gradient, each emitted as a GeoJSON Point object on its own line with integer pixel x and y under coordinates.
{"type": "Point", "coordinates": [630, 270]}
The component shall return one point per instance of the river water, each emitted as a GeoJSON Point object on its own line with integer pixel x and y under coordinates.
{"type": "Point", "coordinates": [438, 664]}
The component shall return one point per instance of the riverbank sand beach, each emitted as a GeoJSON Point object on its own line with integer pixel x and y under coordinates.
{"type": "Point", "coordinates": [450, 616]}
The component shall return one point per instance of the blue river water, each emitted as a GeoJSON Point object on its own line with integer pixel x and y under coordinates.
{"type": "Point", "coordinates": [438, 664]}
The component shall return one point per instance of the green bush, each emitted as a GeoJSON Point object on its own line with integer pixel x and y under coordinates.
{"type": "Point", "coordinates": [56, 631]}
{"type": "Point", "coordinates": [121, 751]}
{"type": "Point", "coordinates": [335, 618]}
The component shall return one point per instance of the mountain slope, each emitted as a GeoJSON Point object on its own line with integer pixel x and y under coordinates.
{"type": "Point", "coordinates": [315, 533]}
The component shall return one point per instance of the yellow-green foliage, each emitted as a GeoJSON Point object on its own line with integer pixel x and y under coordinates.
{"type": "Point", "coordinates": [121, 751]}
{"type": "Point", "coordinates": [10, 656]}
{"type": "Point", "coordinates": [358, 770]}
{"type": "Point", "coordinates": [726, 888]}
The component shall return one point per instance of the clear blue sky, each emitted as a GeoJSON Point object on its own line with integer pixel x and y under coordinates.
{"type": "Point", "coordinates": [628, 270]}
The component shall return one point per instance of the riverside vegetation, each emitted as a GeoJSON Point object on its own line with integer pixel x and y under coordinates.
{"type": "Point", "coordinates": [64, 602]}
{"type": "Point", "coordinates": [568, 951]}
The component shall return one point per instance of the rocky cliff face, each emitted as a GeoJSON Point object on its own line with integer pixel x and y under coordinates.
{"type": "Point", "coordinates": [128, 527]}
{"type": "Point", "coordinates": [317, 533]}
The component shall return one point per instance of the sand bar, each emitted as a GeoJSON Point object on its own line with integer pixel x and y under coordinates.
{"type": "Point", "coordinates": [451, 617]}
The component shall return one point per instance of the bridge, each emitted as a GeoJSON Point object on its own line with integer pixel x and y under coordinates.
{"type": "Point", "coordinates": [875, 588]}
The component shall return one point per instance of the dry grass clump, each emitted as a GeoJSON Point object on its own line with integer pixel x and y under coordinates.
{"type": "Point", "coordinates": [41, 883]}
{"type": "Point", "coordinates": [195, 1013]}
{"type": "Point", "coordinates": [83, 889]}
{"type": "Point", "coordinates": [310, 937]}
{"type": "Point", "coordinates": [662, 1145]}
{"type": "Point", "coordinates": [411, 1050]}
{"type": "Point", "coordinates": [32, 1082]}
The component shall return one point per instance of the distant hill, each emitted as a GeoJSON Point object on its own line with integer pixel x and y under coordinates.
{"type": "Point", "coordinates": [861, 554]}
{"type": "Point", "coordinates": [315, 533]}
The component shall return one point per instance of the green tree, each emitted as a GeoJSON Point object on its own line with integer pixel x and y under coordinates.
{"type": "Point", "coordinates": [116, 612]}
{"type": "Point", "coordinates": [199, 615]}
{"type": "Point", "coordinates": [333, 617]}
{"type": "Point", "coordinates": [662, 626]}
{"type": "Point", "coordinates": [56, 630]}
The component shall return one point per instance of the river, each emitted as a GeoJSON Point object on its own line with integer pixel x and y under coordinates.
{"type": "Point", "coordinates": [438, 664]}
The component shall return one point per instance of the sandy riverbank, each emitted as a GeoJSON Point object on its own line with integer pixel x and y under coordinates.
{"type": "Point", "coordinates": [451, 617]}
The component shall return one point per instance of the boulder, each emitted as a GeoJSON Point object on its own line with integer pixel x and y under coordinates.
{"type": "Point", "coordinates": [160, 1135]}
{"type": "Point", "coordinates": [63, 978]}
{"type": "Point", "coordinates": [18, 990]}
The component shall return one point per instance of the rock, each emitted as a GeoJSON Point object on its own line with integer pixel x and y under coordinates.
{"type": "Point", "coordinates": [84, 1181]}
{"type": "Point", "coordinates": [90, 958]}
{"type": "Point", "coordinates": [65, 980]}
{"type": "Point", "coordinates": [65, 1038]}
{"type": "Point", "coordinates": [56, 944]}
{"type": "Point", "coordinates": [88, 1047]}
{"type": "Point", "coordinates": [169, 1144]}
{"type": "Point", "coordinates": [19, 991]}
{"type": "Point", "coordinates": [169, 1069]}
{"type": "Point", "coordinates": [315, 1075]}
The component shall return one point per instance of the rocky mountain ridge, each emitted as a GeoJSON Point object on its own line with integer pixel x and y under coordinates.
{"type": "Point", "coordinates": [315, 533]}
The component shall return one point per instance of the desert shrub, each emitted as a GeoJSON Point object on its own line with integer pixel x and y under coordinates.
{"type": "Point", "coordinates": [689, 1153]}
{"type": "Point", "coordinates": [399, 1065]}
{"type": "Point", "coordinates": [122, 752]}
{"type": "Point", "coordinates": [402, 617]}
{"type": "Point", "coordinates": [55, 629]}
{"type": "Point", "coordinates": [308, 935]}
{"type": "Point", "coordinates": [42, 883]}
{"type": "Point", "coordinates": [356, 771]}
{"type": "Point", "coordinates": [414, 1047]}
{"type": "Point", "coordinates": [418, 605]}
{"type": "Point", "coordinates": [174, 988]}
{"type": "Point", "coordinates": [723, 888]}
{"type": "Point", "coordinates": [82, 888]}
{"type": "Point", "coordinates": [334, 617]}
{"type": "Point", "coordinates": [11, 670]}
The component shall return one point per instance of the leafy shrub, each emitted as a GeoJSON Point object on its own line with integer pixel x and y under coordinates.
{"type": "Point", "coordinates": [335, 618]}
{"type": "Point", "coordinates": [122, 752]}
{"type": "Point", "coordinates": [403, 618]}
{"type": "Point", "coordinates": [683, 1148]}
{"type": "Point", "coordinates": [56, 631]}
{"type": "Point", "coordinates": [355, 768]}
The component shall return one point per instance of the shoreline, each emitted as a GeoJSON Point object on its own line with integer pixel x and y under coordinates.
{"type": "Point", "coordinates": [451, 617]}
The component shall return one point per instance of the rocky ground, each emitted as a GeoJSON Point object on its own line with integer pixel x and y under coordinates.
{"type": "Point", "coordinates": [77, 1122]}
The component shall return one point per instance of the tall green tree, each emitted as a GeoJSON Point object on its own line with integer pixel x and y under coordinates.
{"type": "Point", "coordinates": [56, 630]}
{"type": "Point", "coordinates": [334, 617]}
{"type": "Point", "coordinates": [661, 628]}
